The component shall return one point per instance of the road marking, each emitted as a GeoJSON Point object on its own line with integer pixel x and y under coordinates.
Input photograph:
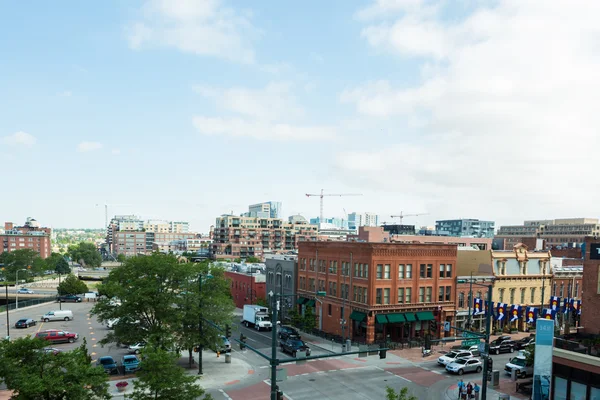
{"type": "Point", "coordinates": [232, 382]}
{"type": "Point", "coordinates": [437, 372]}
{"type": "Point", "coordinates": [403, 378]}
{"type": "Point", "coordinates": [93, 353]}
{"type": "Point", "coordinates": [265, 366]}
{"type": "Point", "coordinates": [225, 394]}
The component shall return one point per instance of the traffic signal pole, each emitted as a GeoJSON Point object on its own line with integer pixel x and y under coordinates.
{"type": "Point", "coordinates": [488, 327]}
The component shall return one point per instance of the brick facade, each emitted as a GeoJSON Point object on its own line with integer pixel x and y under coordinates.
{"type": "Point", "coordinates": [26, 237]}
{"type": "Point", "coordinates": [590, 302]}
{"type": "Point", "coordinates": [246, 288]}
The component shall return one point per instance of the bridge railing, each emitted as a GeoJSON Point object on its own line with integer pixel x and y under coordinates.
{"type": "Point", "coordinates": [26, 303]}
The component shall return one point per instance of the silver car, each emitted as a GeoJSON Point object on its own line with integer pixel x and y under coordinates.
{"type": "Point", "coordinates": [462, 365]}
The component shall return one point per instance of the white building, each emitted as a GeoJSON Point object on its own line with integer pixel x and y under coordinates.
{"type": "Point", "coordinates": [362, 219]}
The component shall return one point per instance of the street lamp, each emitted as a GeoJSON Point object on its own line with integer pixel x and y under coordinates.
{"type": "Point", "coordinates": [279, 268]}
{"type": "Point", "coordinates": [17, 290]}
{"type": "Point", "coordinates": [7, 320]}
{"type": "Point", "coordinates": [200, 321]}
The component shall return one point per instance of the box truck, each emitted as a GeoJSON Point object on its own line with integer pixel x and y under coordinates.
{"type": "Point", "coordinates": [257, 316]}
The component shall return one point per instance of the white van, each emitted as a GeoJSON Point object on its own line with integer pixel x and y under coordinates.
{"type": "Point", "coordinates": [58, 315]}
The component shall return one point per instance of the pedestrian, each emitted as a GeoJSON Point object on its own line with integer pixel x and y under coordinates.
{"type": "Point", "coordinates": [461, 386]}
{"type": "Point", "coordinates": [476, 389]}
{"type": "Point", "coordinates": [469, 390]}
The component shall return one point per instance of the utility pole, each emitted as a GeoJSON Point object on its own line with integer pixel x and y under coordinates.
{"type": "Point", "coordinates": [470, 300]}
{"type": "Point", "coordinates": [274, 360]}
{"type": "Point", "coordinates": [7, 321]}
{"type": "Point", "coordinates": [200, 326]}
{"type": "Point", "coordinates": [488, 323]}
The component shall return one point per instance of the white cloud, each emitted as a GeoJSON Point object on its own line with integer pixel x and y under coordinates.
{"type": "Point", "coordinates": [506, 105]}
{"type": "Point", "coordinates": [204, 27]}
{"type": "Point", "coordinates": [20, 139]}
{"type": "Point", "coordinates": [115, 152]}
{"type": "Point", "coordinates": [271, 112]}
{"type": "Point", "coordinates": [88, 146]}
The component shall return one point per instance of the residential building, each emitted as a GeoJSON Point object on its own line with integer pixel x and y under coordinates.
{"type": "Point", "coordinates": [566, 279]}
{"type": "Point", "coordinates": [395, 229]}
{"type": "Point", "coordinates": [281, 279]}
{"type": "Point", "coordinates": [590, 303]}
{"type": "Point", "coordinates": [480, 243]}
{"type": "Point", "coordinates": [356, 220]}
{"type": "Point", "coordinates": [297, 219]}
{"type": "Point", "coordinates": [247, 287]}
{"type": "Point", "coordinates": [370, 234]}
{"type": "Point", "coordinates": [377, 290]}
{"type": "Point", "coordinates": [465, 227]}
{"type": "Point", "coordinates": [241, 237]}
{"type": "Point", "coordinates": [198, 243]}
{"type": "Point", "coordinates": [29, 236]}
{"type": "Point", "coordinates": [565, 232]}
{"type": "Point", "coordinates": [269, 209]}
{"type": "Point", "coordinates": [339, 223]}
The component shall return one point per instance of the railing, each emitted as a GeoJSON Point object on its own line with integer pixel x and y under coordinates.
{"type": "Point", "coordinates": [589, 346]}
{"type": "Point", "coordinates": [27, 303]}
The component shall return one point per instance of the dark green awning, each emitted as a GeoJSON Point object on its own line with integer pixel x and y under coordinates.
{"type": "Point", "coordinates": [358, 316]}
{"type": "Point", "coordinates": [395, 318]}
{"type": "Point", "coordinates": [310, 303]}
{"type": "Point", "coordinates": [425, 316]}
{"type": "Point", "coordinates": [410, 317]}
{"type": "Point", "coordinates": [301, 300]}
{"type": "Point", "coordinates": [381, 319]}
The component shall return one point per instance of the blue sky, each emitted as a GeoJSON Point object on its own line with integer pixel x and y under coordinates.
{"type": "Point", "coordinates": [184, 110]}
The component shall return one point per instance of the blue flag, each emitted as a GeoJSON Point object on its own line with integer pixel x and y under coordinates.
{"type": "Point", "coordinates": [515, 312]}
{"type": "Point", "coordinates": [500, 312]}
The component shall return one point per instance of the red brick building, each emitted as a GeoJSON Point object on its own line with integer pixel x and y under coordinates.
{"type": "Point", "coordinates": [29, 236]}
{"type": "Point", "coordinates": [384, 289]}
{"type": "Point", "coordinates": [246, 288]}
{"type": "Point", "coordinates": [590, 301]}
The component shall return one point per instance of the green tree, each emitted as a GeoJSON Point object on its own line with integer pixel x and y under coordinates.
{"type": "Point", "coordinates": [309, 321]}
{"type": "Point", "coordinates": [62, 267]}
{"type": "Point", "coordinates": [86, 254]}
{"type": "Point", "coordinates": [295, 318]}
{"type": "Point", "coordinates": [72, 285]}
{"type": "Point", "coordinates": [253, 260]}
{"type": "Point", "coordinates": [403, 394]}
{"type": "Point", "coordinates": [16, 261]}
{"type": "Point", "coordinates": [53, 260]}
{"type": "Point", "coordinates": [121, 258]}
{"type": "Point", "coordinates": [161, 378]}
{"type": "Point", "coordinates": [35, 374]}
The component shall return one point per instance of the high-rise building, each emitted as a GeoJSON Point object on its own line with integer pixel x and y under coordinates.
{"type": "Point", "coordinates": [330, 222]}
{"type": "Point", "coordinates": [269, 209]}
{"type": "Point", "coordinates": [465, 228]}
{"type": "Point", "coordinates": [362, 219]}
{"type": "Point", "coordinates": [29, 236]}
{"type": "Point", "coordinates": [564, 232]}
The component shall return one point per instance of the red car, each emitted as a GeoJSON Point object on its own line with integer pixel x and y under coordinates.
{"type": "Point", "coordinates": [56, 336]}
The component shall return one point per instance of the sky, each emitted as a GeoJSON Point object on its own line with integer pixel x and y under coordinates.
{"type": "Point", "coordinates": [189, 109]}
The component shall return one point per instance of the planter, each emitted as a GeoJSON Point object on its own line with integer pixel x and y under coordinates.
{"type": "Point", "coordinates": [514, 331]}
{"type": "Point", "coordinates": [121, 388]}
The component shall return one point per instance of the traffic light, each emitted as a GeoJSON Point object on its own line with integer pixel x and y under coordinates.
{"type": "Point", "coordinates": [433, 326]}
{"type": "Point", "coordinates": [382, 354]}
{"type": "Point", "coordinates": [227, 331]}
{"type": "Point", "coordinates": [243, 341]}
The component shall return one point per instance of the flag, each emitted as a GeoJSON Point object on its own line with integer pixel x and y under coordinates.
{"type": "Point", "coordinates": [576, 306]}
{"type": "Point", "coordinates": [554, 303]}
{"type": "Point", "coordinates": [566, 305]}
{"type": "Point", "coordinates": [478, 307]}
{"type": "Point", "coordinates": [579, 307]}
{"type": "Point", "coordinates": [531, 315]}
{"type": "Point", "coordinates": [515, 312]}
{"type": "Point", "coordinates": [549, 313]}
{"type": "Point", "coordinates": [500, 309]}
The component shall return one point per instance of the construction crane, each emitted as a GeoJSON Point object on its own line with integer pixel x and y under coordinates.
{"type": "Point", "coordinates": [402, 215]}
{"type": "Point", "coordinates": [321, 195]}
{"type": "Point", "coordinates": [106, 211]}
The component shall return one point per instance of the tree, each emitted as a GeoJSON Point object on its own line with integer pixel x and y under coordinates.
{"type": "Point", "coordinates": [72, 285]}
{"type": "Point", "coordinates": [86, 254]}
{"type": "Point", "coordinates": [62, 267]}
{"type": "Point", "coordinates": [253, 260]}
{"type": "Point", "coordinates": [295, 318]}
{"type": "Point", "coordinates": [160, 377]}
{"type": "Point", "coordinates": [17, 260]}
{"type": "Point", "coordinates": [35, 374]}
{"type": "Point", "coordinates": [309, 321]}
{"type": "Point", "coordinates": [121, 258]}
{"type": "Point", "coordinates": [53, 260]}
{"type": "Point", "coordinates": [390, 394]}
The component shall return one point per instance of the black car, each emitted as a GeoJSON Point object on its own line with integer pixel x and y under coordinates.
{"type": "Point", "coordinates": [293, 346]}
{"type": "Point", "coordinates": [286, 332]}
{"type": "Point", "coordinates": [525, 342]}
{"type": "Point", "coordinates": [25, 323]}
{"type": "Point", "coordinates": [502, 346]}
{"type": "Point", "coordinates": [68, 298]}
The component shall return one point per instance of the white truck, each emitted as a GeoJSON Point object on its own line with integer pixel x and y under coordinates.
{"type": "Point", "coordinates": [257, 316]}
{"type": "Point", "coordinates": [520, 364]}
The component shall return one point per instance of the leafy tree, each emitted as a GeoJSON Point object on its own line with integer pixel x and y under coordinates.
{"type": "Point", "coordinates": [253, 260]}
{"type": "Point", "coordinates": [34, 374]}
{"type": "Point", "coordinates": [72, 285]}
{"type": "Point", "coordinates": [295, 318]}
{"type": "Point", "coordinates": [86, 254]}
{"type": "Point", "coordinates": [62, 267]}
{"type": "Point", "coordinates": [121, 258]}
{"type": "Point", "coordinates": [309, 321]}
{"type": "Point", "coordinates": [160, 377]}
{"type": "Point", "coordinates": [17, 260]}
{"type": "Point", "coordinates": [403, 394]}
{"type": "Point", "coordinates": [530, 357]}
{"type": "Point", "coordinates": [52, 261]}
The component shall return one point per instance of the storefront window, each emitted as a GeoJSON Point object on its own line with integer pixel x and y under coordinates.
{"type": "Point", "coordinates": [594, 393]}
{"type": "Point", "coordinates": [578, 391]}
{"type": "Point", "coordinates": [560, 388]}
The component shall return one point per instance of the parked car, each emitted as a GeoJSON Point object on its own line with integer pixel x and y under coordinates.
{"type": "Point", "coordinates": [58, 315]}
{"type": "Point", "coordinates": [130, 363]}
{"type": "Point", "coordinates": [502, 346]}
{"type": "Point", "coordinates": [51, 350]}
{"type": "Point", "coordinates": [521, 365]}
{"type": "Point", "coordinates": [56, 336]}
{"type": "Point", "coordinates": [136, 348]}
{"type": "Point", "coordinates": [25, 323]}
{"type": "Point", "coordinates": [69, 298]}
{"type": "Point", "coordinates": [454, 355]}
{"type": "Point", "coordinates": [109, 364]}
{"type": "Point", "coordinates": [462, 365]}
{"type": "Point", "coordinates": [525, 342]}
{"type": "Point", "coordinates": [25, 291]}
{"type": "Point", "coordinates": [286, 331]}
{"type": "Point", "coordinates": [294, 346]}
{"type": "Point", "coordinates": [110, 324]}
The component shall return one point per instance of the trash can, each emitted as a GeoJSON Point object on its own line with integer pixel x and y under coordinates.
{"type": "Point", "coordinates": [495, 378]}
{"type": "Point", "coordinates": [503, 396]}
{"type": "Point", "coordinates": [227, 358]}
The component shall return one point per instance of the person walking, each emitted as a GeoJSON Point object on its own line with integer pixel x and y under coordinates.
{"type": "Point", "coordinates": [469, 390]}
{"type": "Point", "coordinates": [461, 388]}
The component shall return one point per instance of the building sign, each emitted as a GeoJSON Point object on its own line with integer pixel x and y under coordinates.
{"type": "Point", "coordinates": [594, 251]}
{"type": "Point", "coordinates": [542, 368]}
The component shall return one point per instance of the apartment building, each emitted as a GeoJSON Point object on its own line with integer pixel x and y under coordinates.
{"type": "Point", "coordinates": [466, 228]}
{"type": "Point", "coordinates": [235, 236]}
{"type": "Point", "coordinates": [29, 236]}
{"type": "Point", "coordinates": [480, 243]}
{"type": "Point", "coordinates": [268, 209]}
{"type": "Point", "coordinates": [565, 232]}
{"type": "Point", "coordinates": [355, 220]}
{"type": "Point", "coordinates": [377, 289]}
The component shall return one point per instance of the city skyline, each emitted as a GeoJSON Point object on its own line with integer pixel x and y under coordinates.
{"type": "Point", "coordinates": [187, 110]}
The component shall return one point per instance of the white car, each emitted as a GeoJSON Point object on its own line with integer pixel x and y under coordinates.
{"type": "Point", "coordinates": [111, 323]}
{"type": "Point", "coordinates": [462, 365]}
{"type": "Point", "coordinates": [136, 348]}
{"type": "Point", "coordinates": [453, 355]}
{"type": "Point", "coordinates": [25, 291]}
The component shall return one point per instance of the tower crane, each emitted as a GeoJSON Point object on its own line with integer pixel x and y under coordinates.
{"type": "Point", "coordinates": [106, 211]}
{"type": "Point", "coordinates": [402, 215]}
{"type": "Point", "coordinates": [321, 195]}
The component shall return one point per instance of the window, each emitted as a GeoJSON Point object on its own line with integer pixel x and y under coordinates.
{"type": "Point", "coordinates": [461, 300]}
{"type": "Point", "coordinates": [532, 295]}
{"type": "Point", "coordinates": [429, 270]}
{"type": "Point", "coordinates": [400, 295]}
{"type": "Point", "coordinates": [421, 295]}
{"type": "Point", "coordinates": [422, 270]}
{"type": "Point", "coordinates": [355, 269]}
{"type": "Point", "coordinates": [554, 290]}
{"type": "Point", "coordinates": [522, 295]}
{"type": "Point", "coordinates": [501, 295]}
{"type": "Point", "coordinates": [576, 291]}
{"type": "Point", "coordinates": [407, 297]}
{"type": "Point", "coordinates": [448, 270]}
{"type": "Point", "coordinates": [512, 296]}
{"type": "Point", "coordinates": [408, 271]}
{"type": "Point", "coordinates": [365, 272]}
{"type": "Point", "coordinates": [448, 293]}
{"type": "Point", "coordinates": [442, 271]}
{"type": "Point", "coordinates": [562, 289]}
{"type": "Point", "coordinates": [386, 296]}
{"type": "Point", "coordinates": [354, 297]}
{"type": "Point", "coordinates": [379, 271]}
{"type": "Point", "coordinates": [329, 310]}
{"type": "Point", "coordinates": [441, 296]}
{"type": "Point", "coordinates": [386, 271]}
{"type": "Point", "coordinates": [400, 271]}
{"type": "Point", "coordinates": [378, 296]}
{"type": "Point", "coordinates": [428, 294]}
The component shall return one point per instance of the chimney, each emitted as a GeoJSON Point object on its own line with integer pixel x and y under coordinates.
{"type": "Point", "coordinates": [8, 226]}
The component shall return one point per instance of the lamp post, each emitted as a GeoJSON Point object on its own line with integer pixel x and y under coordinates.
{"type": "Point", "coordinates": [201, 321]}
{"type": "Point", "coordinates": [274, 360]}
{"type": "Point", "coordinates": [16, 289]}
{"type": "Point", "coordinates": [279, 268]}
{"type": "Point", "coordinates": [7, 318]}
{"type": "Point", "coordinates": [60, 302]}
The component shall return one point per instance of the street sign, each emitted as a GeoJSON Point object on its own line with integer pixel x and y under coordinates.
{"type": "Point", "coordinates": [481, 347]}
{"type": "Point", "coordinates": [321, 293]}
{"type": "Point", "coordinates": [470, 335]}
{"type": "Point", "coordinates": [447, 326]}
{"type": "Point", "coordinates": [470, 342]}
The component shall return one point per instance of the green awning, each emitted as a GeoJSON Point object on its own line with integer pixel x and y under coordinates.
{"type": "Point", "coordinates": [425, 316]}
{"type": "Point", "coordinates": [410, 317]}
{"type": "Point", "coordinates": [395, 318]}
{"type": "Point", "coordinates": [301, 300]}
{"type": "Point", "coordinates": [310, 303]}
{"type": "Point", "coordinates": [381, 319]}
{"type": "Point", "coordinates": [358, 316]}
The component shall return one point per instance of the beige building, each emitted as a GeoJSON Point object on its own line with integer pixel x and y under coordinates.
{"type": "Point", "coordinates": [555, 232]}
